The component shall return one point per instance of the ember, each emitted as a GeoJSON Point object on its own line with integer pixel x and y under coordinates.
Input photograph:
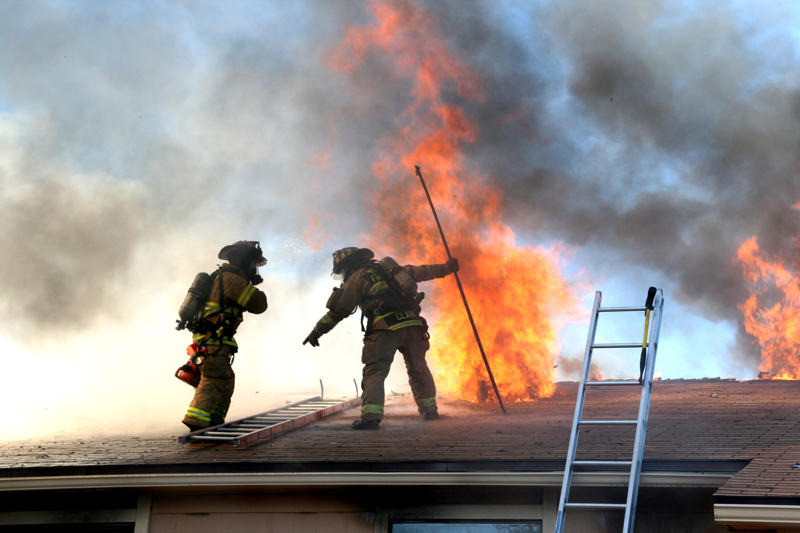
{"type": "Point", "coordinates": [516, 292]}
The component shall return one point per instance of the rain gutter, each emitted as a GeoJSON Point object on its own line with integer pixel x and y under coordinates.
{"type": "Point", "coordinates": [335, 479]}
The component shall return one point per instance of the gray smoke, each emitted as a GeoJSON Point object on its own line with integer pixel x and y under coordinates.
{"type": "Point", "coordinates": [662, 133]}
{"type": "Point", "coordinates": [67, 252]}
{"type": "Point", "coordinates": [138, 138]}
{"type": "Point", "coordinates": [126, 131]}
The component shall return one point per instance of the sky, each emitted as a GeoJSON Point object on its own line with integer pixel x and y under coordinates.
{"type": "Point", "coordinates": [634, 143]}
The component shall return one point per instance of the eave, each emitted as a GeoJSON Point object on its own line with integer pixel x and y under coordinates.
{"type": "Point", "coordinates": [757, 515]}
{"type": "Point", "coordinates": [333, 479]}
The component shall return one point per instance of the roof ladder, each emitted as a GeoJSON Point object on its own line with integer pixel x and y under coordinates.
{"type": "Point", "coordinates": [652, 312]}
{"type": "Point", "coordinates": [262, 426]}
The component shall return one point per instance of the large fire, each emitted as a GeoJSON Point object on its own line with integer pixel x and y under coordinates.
{"type": "Point", "coordinates": [515, 292]}
{"type": "Point", "coordinates": [774, 324]}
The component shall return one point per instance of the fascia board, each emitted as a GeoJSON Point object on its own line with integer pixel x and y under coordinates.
{"type": "Point", "coordinates": [332, 479]}
{"type": "Point", "coordinates": [757, 514]}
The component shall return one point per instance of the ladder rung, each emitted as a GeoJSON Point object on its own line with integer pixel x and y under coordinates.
{"type": "Point", "coordinates": [619, 309]}
{"type": "Point", "coordinates": [608, 421]}
{"type": "Point", "coordinates": [602, 463]}
{"type": "Point", "coordinates": [619, 345]}
{"type": "Point", "coordinates": [610, 383]}
{"type": "Point", "coordinates": [208, 437]}
{"type": "Point", "coordinates": [578, 505]}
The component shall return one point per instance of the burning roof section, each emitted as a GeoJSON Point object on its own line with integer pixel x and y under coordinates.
{"type": "Point", "coordinates": [433, 131]}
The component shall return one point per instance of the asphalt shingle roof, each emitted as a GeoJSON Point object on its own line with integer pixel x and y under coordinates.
{"type": "Point", "coordinates": [692, 423]}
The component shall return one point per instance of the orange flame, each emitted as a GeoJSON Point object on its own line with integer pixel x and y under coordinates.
{"type": "Point", "coordinates": [776, 327]}
{"type": "Point", "coordinates": [515, 292]}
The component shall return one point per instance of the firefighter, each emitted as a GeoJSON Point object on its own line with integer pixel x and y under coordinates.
{"type": "Point", "coordinates": [393, 323]}
{"type": "Point", "coordinates": [221, 317]}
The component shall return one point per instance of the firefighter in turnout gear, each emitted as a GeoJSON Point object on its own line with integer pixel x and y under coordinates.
{"type": "Point", "coordinates": [393, 323]}
{"type": "Point", "coordinates": [222, 314]}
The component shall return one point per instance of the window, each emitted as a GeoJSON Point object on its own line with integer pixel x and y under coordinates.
{"type": "Point", "coordinates": [468, 527]}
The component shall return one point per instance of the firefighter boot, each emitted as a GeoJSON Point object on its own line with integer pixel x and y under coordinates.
{"type": "Point", "coordinates": [366, 424]}
{"type": "Point", "coordinates": [431, 415]}
{"type": "Point", "coordinates": [192, 427]}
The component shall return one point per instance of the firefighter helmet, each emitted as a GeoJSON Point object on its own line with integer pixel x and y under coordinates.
{"type": "Point", "coordinates": [241, 253]}
{"type": "Point", "coordinates": [349, 257]}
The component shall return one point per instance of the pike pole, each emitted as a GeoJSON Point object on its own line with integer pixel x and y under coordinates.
{"type": "Point", "coordinates": [461, 290]}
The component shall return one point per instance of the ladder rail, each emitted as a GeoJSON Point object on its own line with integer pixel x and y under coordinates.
{"type": "Point", "coordinates": [644, 412]}
{"type": "Point", "coordinates": [573, 437]}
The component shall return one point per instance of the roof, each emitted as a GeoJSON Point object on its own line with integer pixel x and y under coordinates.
{"type": "Point", "coordinates": [773, 474]}
{"type": "Point", "coordinates": [747, 430]}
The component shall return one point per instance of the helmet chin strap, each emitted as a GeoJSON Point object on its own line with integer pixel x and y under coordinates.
{"type": "Point", "coordinates": [349, 271]}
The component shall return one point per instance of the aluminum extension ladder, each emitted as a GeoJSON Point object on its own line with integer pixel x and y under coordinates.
{"type": "Point", "coordinates": [653, 309]}
{"type": "Point", "coordinates": [265, 425]}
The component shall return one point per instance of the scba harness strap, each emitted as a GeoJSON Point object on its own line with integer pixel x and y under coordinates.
{"type": "Point", "coordinates": [390, 308]}
{"type": "Point", "coordinates": [220, 330]}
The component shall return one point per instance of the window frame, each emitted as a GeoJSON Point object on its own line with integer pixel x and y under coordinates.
{"type": "Point", "coordinates": [386, 517]}
{"type": "Point", "coordinates": [462, 521]}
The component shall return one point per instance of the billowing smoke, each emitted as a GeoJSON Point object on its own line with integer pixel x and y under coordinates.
{"type": "Point", "coordinates": [657, 134]}
{"type": "Point", "coordinates": [136, 140]}
{"type": "Point", "coordinates": [69, 248]}
{"type": "Point", "coordinates": [134, 144]}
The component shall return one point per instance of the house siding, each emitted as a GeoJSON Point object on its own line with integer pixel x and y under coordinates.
{"type": "Point", "coordinates": [266, 522]}
{"type": "Point", "coordinates": [659, 510]}
{"type": "Point", "coordinates": [310, 512]}
{"type": "Point", "coordinates": [372, 510]}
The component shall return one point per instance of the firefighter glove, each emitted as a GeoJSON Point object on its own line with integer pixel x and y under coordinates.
{"type": "Point", "coordinates": [313, 338]}
{"type": "Point", "coordinates": [452, 264]}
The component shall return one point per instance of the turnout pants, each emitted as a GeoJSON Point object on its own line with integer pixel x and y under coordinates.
{"type": "Point", "coordinates": [213, 395]}
{"type": "Point", "coordinates": [377, 356]}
